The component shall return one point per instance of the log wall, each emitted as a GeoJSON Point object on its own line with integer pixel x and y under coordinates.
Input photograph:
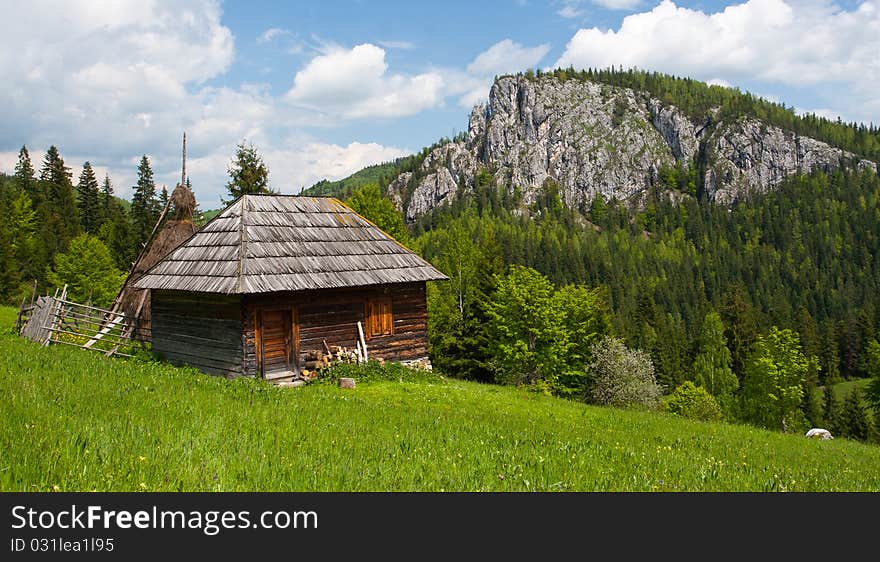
{"type": "Point", "coordinates": [203, 330]}
{"type": "Point", "coordinates": [332, 316]}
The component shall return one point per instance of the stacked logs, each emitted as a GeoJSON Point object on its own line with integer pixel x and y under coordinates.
{"type": "Point", "coordinates": [316, 359]}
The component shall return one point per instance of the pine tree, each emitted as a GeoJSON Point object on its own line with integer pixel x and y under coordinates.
{"type": "Point", "coordinates": [57, 211]}
{"type": "Point", "coordinates": [25, 175]}
{"type": "Point", "coordinates": [830, 358]}
{"type": "Point", "coordinates": [831, 413]}
{"type": "Point", "coordinates": [144, 204]}
{"type": "Point", "coordinates": [247, 173]}
{"type": "Point", "coordinates": [87, 200]}
{"type": "Point", "coordinates": [163, 197]}
{"type": "Point", "coordinates": [853, 417]}
{"type": "Point", "coordinates": [741, 326]}
{"type": "Point", "coordinates": [106, 197]}
{"type": "Point", "coordinates": [115, 230]}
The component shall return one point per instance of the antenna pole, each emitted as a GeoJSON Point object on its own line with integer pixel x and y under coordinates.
{"type": "Point", "coordinates": [183, 172]}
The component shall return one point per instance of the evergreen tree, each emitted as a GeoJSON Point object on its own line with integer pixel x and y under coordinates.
{"type": "Point", "coordinates": [144, 204]}
{"type": "Point", "coordinates": [10, 277]}
{"type": "Point", "coordinates": [25, 175]}
{"type": "Point", "coordinates": [872, 352]}
{"type": "Point", "coordinates": [741, 326]}
{"type": "Point", "coordinates": [57, 211]}
{"type": "Point", "coordinates": [830, 371]}
{"type": "Point", "coordinates": [115, 230]}
{"type": "Point", "coordinates": [87, 200]}
{"type": "Point", "coordinates": [247, 173]}
{"type": "Point", "coordinates": [24, 241]}
{"type": "Point", "coordinates": [106, 197]}
{"type": "Point", "coordinates": [457, 321]}
{"type": "Point", "coordinates": [853, 417]}
{"type": "Point", "coordinates": [831, 409]}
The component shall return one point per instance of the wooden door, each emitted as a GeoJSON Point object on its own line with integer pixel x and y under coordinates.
{"type": "Point", "coordinates": [277, 343]}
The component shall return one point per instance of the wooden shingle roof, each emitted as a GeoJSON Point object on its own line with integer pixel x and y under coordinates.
{"type": "Point", "coordinates": [264, 243]}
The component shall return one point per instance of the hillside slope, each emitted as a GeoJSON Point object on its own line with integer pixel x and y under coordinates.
{"type": "Point", "coordinates": [71, 420]}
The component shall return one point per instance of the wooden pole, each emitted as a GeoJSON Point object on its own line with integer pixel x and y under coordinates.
{"type": "Point", "coordinates": [363, 342]}
{"type": "Point", "coordinates": [183, 170]}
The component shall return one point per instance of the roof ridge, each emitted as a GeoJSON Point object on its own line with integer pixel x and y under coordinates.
{"type": "Point", "coordinates": [242, 242]}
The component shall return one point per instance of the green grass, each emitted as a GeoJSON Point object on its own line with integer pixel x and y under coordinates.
{"type": "Point", "coordinates": [74, 420]}
{"type": "Point", "coordinates": [842, 389]}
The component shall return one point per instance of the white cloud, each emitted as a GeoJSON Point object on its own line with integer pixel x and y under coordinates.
{"type": "Point", "coordinates": [507, 56]}
{"type": "Point", "coordinates": [107, 78]}
{"type": "Point", "coordinates": [354, 83]}
{"type": "Point", "coordinates": [405, 45]}
{"type": "Point", "coordinates": [570, 11]}
{"type": "Point", "coordinates": [270, 34]}
{"type": "Point", "coordinates": [803, 44]}
{"type": "Point", "coordinates": [295, 167]}
{"type": "Point", "coordinates": [719, 82]}
{"type": "Point", "coordinates": [571, 8]}
{"type": "Point", "coordinates": [618, 4]}
{"type": "Point", "coordinates": [503, 57]}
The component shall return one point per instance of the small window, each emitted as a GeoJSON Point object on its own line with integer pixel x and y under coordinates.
{"type": "Point", "coordinates": [379, 319]}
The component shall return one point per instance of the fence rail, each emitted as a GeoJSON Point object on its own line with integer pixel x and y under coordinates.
{"type": "Point", "coordinates": [58, 320]}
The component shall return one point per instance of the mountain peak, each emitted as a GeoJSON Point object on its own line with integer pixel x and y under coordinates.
{"type": "Point", "coordinates": [595, 138]}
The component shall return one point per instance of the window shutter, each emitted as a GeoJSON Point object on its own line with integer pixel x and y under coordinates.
{"type": "Point", "coordinates": [380, 320]}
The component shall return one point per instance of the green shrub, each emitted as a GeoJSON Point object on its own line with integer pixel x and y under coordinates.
{"type": "Point", "coordinates": [621, 376]}
{"type": "Point", "coordinates": [694, 402]}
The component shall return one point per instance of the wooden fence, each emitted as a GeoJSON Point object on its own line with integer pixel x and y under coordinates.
{"type": "Point", "coordinates": [57, 320]}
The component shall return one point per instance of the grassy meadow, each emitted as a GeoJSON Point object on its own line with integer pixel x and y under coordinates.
{"type": "Point", "coordinates": [73, 420]}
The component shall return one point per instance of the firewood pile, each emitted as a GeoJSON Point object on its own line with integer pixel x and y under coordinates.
{"type": "Point", "coordinates": [316, 359]}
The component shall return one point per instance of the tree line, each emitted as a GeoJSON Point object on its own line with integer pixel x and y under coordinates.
{"type": "Point", "coordinates": [786, 283]}
{"type": "Point", "coordinates": [55, 232]}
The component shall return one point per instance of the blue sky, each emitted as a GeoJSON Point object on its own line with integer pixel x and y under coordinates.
{"type": "Point", "coordinates": [324, 88]}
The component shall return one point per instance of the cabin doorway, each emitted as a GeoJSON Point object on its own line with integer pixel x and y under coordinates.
{"type": "Point", "coordinates": [278, 353]}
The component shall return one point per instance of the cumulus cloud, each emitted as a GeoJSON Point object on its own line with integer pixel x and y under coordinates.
{"type": "Point", "coordinates": [506, 56]}
{"type": "Point", "coordinates": [355, 83]}
{"type": "Point", "coordinates": [773, 41]}
{"type": "Point", "coordinates": [109, 81]}
{"type": "Point", "coordinates": [303, 165]}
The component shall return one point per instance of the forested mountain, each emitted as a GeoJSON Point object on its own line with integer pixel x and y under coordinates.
{"type": "Point", "coordinates": [697, 222]}
{"type": "Point", "coordinates": [592, 224]}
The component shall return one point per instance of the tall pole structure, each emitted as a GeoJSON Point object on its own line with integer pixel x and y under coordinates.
{"type": "Point", "coordinates": [183, 172]}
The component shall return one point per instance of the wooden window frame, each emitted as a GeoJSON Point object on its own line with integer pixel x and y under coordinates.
{"type": "Point", "coordinates": [370, 312]}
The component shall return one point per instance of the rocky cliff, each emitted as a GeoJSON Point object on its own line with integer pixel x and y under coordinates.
{"type": "Point", "coordinates": [595, 139]}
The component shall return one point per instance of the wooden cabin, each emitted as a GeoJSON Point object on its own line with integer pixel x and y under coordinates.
{"type": "Point", "coordinates": [275, 277]}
